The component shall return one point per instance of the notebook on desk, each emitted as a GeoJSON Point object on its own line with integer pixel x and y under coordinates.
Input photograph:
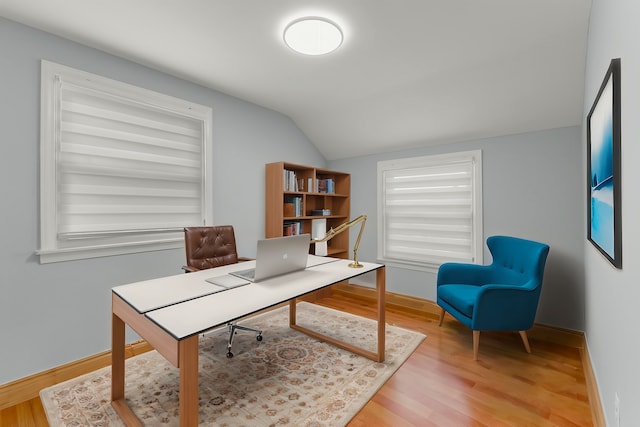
{"type": "Point", "coordinates": [274, 257]}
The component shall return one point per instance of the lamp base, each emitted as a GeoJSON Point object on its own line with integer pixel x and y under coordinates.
{"type": "Point", "coordinates": [355, 264]}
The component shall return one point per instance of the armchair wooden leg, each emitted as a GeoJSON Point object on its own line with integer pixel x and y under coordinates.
{"type": "Point", "coordinates": [525, 340]}
{"type": "Point", "coordinates": [476, 344]}
{"type": "Point", "coordinates": [441, 316]}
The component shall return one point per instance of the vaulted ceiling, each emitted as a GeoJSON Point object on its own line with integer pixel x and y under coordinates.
{"type": "Point", "coordinates": [409, 73]}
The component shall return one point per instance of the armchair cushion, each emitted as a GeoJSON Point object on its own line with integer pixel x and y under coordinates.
{"type": "Point", "coordinates": [462, 297]}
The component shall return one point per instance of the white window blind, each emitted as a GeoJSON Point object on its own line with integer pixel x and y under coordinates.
{"type": "Point", "coordinates": [122, 167]}
{"type": "Point", "coordinates": [430, 210]}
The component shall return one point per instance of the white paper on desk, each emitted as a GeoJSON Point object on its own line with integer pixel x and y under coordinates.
{"type": "Point", "coordinates": [318, 231]}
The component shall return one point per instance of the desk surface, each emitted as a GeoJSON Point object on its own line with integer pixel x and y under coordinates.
{"type": "Point", "coordinates": [186, 304]}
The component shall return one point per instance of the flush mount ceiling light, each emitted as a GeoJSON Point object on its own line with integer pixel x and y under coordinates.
{"type": "Point", "coordinates": [313, 36]}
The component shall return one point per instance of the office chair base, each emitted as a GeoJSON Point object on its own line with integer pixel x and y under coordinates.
{"type": "Point", "coordinates": [233, 330]}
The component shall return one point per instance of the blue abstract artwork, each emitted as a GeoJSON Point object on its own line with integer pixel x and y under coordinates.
{"type": "Point", "coordinates": [602, 179]}
{"type": "Point", "coordinates": [603, 164]}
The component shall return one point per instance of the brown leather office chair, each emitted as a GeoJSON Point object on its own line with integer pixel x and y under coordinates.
{"type": "Point", "coordinates": [209, 247]}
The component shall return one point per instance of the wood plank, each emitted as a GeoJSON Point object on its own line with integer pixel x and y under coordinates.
{"type": "Point", "coordinates": [597, 411]}
{"type": "Point", "coordinates": [37, 412]}
{"type": "Point", "coordinates": [9, 416]}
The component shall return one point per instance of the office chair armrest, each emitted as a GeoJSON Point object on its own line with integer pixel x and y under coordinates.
{"type": "Point", "coordinates": [189, 269]}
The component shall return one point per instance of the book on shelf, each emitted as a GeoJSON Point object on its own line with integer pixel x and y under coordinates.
{"type": "Point", "coordinates": [325, 185]}
{"type": "Point", "coordinates": [290, 180]}
{"type": "Point", "coordinates": [292, 228]}
{"type": "Point", "coordinates": [288, 210]}
{"type": "Point", "coordinates": [296, 201]}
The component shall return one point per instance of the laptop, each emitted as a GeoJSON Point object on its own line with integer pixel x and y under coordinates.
{"type": "Point", "coordinates": [274, 257]}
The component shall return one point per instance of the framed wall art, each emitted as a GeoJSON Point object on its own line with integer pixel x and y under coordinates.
{"type": "Point", "coordinates": [603, 168]}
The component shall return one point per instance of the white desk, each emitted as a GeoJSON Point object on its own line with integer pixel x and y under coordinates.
{"type": "Point", "coordinates": [171, 312]}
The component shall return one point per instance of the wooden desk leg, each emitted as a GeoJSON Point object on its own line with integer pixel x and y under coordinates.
{"type": "Point", "coordinates": [292, 312]}
{"type": "Point", "coordinates": [117, 374]}
{"type": "Point", "coordinates": [117, 358]}
{"type": "Point", "coordinates": [188, 356]}
{"type": "Point", "coordinates": [381, 288]}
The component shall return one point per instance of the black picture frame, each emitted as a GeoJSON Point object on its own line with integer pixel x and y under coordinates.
{"type": "Point", "coordinates": [604, 185]}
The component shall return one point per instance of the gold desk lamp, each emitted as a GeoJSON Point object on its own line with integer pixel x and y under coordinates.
{"type": "Point", "coordinates": [339, 229]}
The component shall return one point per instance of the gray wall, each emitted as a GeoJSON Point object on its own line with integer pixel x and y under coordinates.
{"type": "Point", "coordinates": [612, 295]}
{"type": "Point", "coordinates": [56, 313]}
{"type": "Point", "coordinates": [532, 188]}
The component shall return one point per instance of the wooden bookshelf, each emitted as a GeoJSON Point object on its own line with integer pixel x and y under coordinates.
{"type": "Point", "coordinates": [306, 186]}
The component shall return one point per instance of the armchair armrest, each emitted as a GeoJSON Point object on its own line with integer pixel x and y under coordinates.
{"type": "Point", "coordinates": [505, 307]}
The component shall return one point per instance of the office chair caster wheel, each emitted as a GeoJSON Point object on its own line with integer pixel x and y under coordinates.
{"type": "Point", "coordinates": [259, 337]}
{"type": "Point", "coordinates": [229, 355]}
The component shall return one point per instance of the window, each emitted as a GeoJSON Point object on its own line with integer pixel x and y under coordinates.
{"type": "Point", "coordinates": [123, 169]}
{"type": "Point", "coordinates": [430, 210]}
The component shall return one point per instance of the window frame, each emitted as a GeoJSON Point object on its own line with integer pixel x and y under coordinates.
{"type": "Point", "coordinates": [56, 249]}
{"type": "Point", "coordinates": [437, 160]}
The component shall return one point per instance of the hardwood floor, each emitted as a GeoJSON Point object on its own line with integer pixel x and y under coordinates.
{"type": "Point", "coordinates": [441, 384]}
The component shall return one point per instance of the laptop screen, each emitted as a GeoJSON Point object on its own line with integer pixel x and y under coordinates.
{"type": "Point", "coordinates": [277, 256]}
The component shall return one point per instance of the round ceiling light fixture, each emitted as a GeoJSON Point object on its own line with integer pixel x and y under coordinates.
{"type": "Point", "coordinates": [313, 36]}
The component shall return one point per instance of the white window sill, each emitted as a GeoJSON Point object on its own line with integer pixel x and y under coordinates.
{"type": "Point", "coordinates": [70, 254]}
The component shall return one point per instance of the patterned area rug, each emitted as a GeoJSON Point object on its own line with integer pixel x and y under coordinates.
{"type": "Point", "coordinates": [286, 379]}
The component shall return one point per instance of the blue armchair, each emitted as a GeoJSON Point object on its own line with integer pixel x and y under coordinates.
{"type": "Point", "coordinates": [502, 296]}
